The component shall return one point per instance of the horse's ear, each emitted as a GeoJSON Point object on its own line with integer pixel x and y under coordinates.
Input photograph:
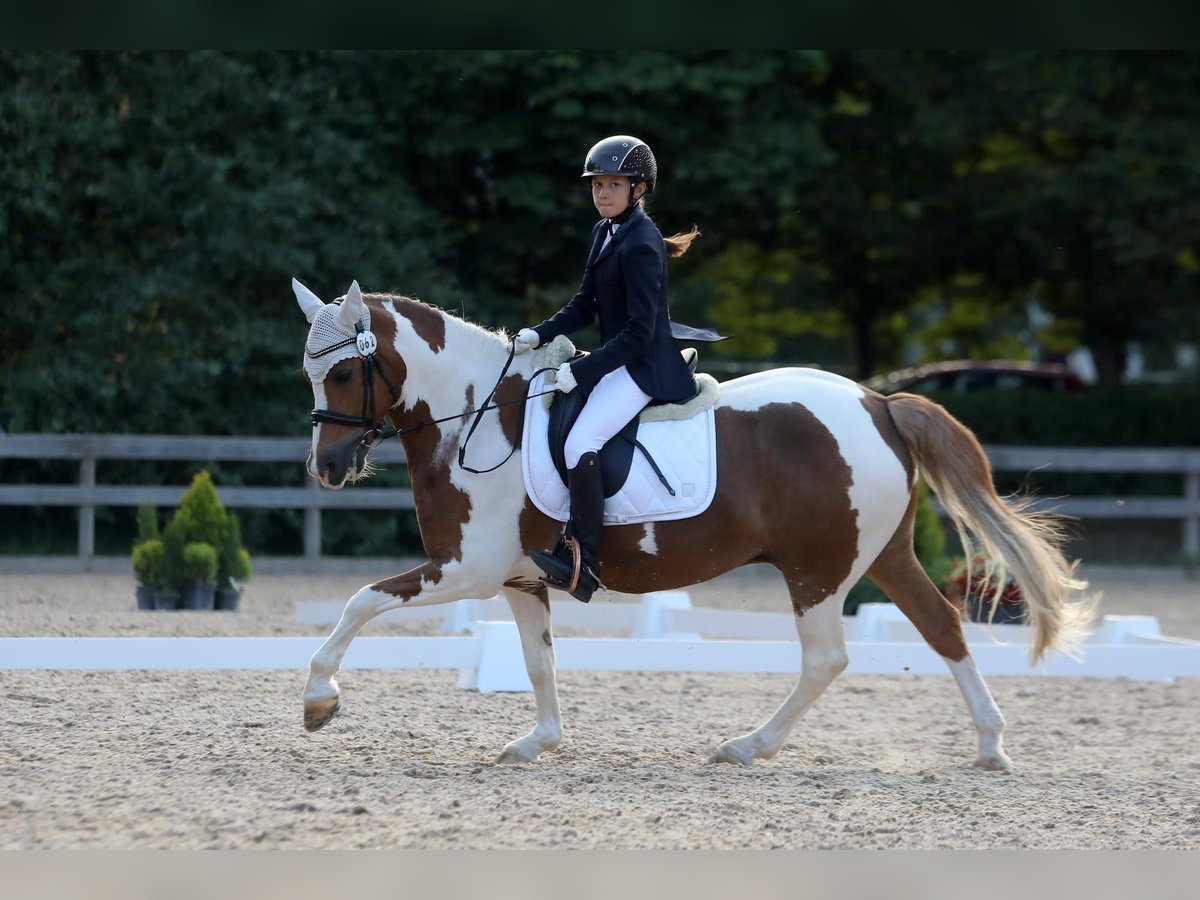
{"type": "Point", "coordinates": [351, 309]}
{"type": "Point", "coordinates": [309, 302]}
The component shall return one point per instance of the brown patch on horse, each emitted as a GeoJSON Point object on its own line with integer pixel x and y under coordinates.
{"type": "Point", "coordinates": [442, 508]}
{"type": "Point", "coordinates": [408, 584]}
{"type": "Point", "coordinates": [530, 586]}
{"type": "Point", "coordinates": [876, 407]}
{"type": "Point", "coordinates": [508, 397]}
{"type": "Point", "coordinates": [427, 322]}
{"type": "Point", "coordinates": [804, 523]}
{"type": "Point", "coordinates": [538, 531]}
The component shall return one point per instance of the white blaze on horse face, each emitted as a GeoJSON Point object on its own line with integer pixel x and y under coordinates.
{"type": "Point", "coordinates": [319, 402]}
{"type": "Point", "coordinates": [879, 488]}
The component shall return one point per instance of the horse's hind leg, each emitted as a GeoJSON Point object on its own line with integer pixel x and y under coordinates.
{"type": "Point", "coordinates": [823, 657]}
{"type": "Point", "coordinates": [530, 603]}
{"type": "Point", "coordinates": [901, 577]}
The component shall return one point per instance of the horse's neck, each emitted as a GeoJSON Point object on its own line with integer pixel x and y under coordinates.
{"type": "Point", "coordinates": [447, 371]}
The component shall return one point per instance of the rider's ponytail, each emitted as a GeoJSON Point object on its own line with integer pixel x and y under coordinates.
{"type": "Point", "coordinates": [677, 244]}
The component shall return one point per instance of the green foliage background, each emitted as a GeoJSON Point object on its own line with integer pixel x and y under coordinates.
{"type": "Point", "coordinates": [154, 206]}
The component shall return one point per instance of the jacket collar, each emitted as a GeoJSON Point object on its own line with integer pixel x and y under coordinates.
{"type": "Point", "coordinates": [625, 222]}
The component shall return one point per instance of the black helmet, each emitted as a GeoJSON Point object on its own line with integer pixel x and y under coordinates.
{"type": "Point", "coordinates": [622, 154]}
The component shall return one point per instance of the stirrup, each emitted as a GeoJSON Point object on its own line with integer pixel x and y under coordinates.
{"type": "Point", "coordinates": [571, 576]}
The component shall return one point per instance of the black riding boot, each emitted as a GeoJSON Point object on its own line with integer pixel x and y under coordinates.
{"type": "Point", "coordinates": [574, 565]}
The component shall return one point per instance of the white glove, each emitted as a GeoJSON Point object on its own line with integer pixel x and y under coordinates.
{"type": "Point", "coordinates": [527, 339]}
{"type": "Point", "coordinates": [564, 379]}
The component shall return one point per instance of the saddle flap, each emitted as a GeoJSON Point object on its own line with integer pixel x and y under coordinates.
{"type": "Point", "coordinates": [616, 456]}
{"type": "Point", "coordinates": [678, 452]}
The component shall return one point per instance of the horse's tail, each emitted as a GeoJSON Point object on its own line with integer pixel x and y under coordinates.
{"type": "Point", "coordinates": [1013, 539]}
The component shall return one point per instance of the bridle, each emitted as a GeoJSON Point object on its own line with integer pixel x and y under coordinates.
{"type": "Point", "coordinates": [367, 345]}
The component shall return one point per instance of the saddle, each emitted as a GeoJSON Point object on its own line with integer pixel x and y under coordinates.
{"type": "Point", "coordinates": [616, 456]}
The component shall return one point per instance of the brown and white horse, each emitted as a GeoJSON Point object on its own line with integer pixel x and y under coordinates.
{"type": "Point", "coordinates": [816, 476]}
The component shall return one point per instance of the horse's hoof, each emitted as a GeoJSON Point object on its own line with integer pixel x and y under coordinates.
{"type": "Point", "coordinates": [317, 713]}
{"type": "Point", "coordinates": [728, 753]}
{"type": "Point", "coordinates": [514, 754]}
{"type": "Point", "coordinates": [1000, 763]}
{"type": "Point", "coordinates": [512, 758]}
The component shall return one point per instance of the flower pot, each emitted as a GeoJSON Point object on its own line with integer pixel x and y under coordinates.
{"type": "Point", "coordinates": [198, 595]}
{"type": "Point", "coordinates": [145, 596]}
{"type": "Point", "coordinates": [166, 599]}
{"type": "Point", "coordinates": [979, 610]}
{"type": "Point", "coordinates": [227, 599]}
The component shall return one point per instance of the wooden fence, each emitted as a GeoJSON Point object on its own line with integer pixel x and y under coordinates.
{"type": "Point", "coordinates": [86, 494]}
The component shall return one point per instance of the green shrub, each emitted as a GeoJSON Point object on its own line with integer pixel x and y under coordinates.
{"type": "Point", "coordinates": [200, 542]}
{"type": "Point", "coordinates": [199, 563]}
{"type": "Point", "coordinates": [201, 511]}
{"type": "Point", "coordinates": [1125, 417]}
{"type": "Point", "coordinates": [148, 557]}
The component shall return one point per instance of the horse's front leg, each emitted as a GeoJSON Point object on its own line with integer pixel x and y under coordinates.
{"type": "Point", "coordinates": [427, 584]}
{"type": "Point", "coordinates": [530, 603]}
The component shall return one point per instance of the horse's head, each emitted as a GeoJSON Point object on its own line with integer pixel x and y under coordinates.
{"type": "Point", "coordinates": [352, 392]}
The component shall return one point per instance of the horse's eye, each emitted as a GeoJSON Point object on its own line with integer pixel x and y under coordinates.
{"type": "Point", "coordinates": [341, 376]}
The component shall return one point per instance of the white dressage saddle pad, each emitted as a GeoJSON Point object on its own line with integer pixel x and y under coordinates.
{"type": "Point", "coordinates": [685, 450]}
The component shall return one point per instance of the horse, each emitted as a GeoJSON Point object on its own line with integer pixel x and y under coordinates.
{"type": "Point", "coordinates": [816, 476]}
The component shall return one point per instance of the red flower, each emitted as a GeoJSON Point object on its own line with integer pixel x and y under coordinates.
{"type": "Point", "coordinates": [956, 590]}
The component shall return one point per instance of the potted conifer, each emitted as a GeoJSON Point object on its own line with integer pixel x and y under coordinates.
{"type": "Point", "coordinates": [198, 561]}
{"type": "Point", "coordinates": [199, 575]}
{"type": "Point", "coordinates": [147, 556]}
{"type": "Point", "coordinates": [148, 569]}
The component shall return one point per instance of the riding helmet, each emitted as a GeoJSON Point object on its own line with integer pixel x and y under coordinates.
{"type": "Point", "coordinates": [625, 155]}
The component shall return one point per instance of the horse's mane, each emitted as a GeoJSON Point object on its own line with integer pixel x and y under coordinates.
{"type": "Point", "coordinates": [487, 336]}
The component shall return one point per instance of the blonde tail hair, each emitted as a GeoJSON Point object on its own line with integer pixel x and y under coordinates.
{"type": "Point", "coordinates": [1012, 538]}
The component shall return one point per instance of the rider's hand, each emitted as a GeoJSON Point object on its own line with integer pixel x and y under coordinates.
{"type": "Point", "coordinates": [527, 339]}
{"type": "Point", "coordinates": [564, 379]}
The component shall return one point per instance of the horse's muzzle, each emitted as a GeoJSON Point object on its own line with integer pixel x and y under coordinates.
{"type": "Point", "coordinates": [336, 465]}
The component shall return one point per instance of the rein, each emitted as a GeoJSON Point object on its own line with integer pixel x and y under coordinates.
{"type": "Point", "coordinates": [367, 346]}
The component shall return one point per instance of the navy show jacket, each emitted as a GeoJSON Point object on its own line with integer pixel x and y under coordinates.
{"type": "Point", "coordinates": [625, 286]}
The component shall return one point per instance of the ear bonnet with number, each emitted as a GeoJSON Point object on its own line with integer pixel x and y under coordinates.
{"type": "Point", "coordinates": [340, 330]}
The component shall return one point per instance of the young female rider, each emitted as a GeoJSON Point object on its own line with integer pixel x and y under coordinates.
{"type": "Point", "coordinates": [625, 285]}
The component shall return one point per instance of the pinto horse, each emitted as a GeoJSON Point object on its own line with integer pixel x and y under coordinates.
{"type": "Point", "coordinates": [815, 475]}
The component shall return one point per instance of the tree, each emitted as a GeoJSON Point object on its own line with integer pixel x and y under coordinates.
{"type": "Point", "coordinates": [1092, 176]}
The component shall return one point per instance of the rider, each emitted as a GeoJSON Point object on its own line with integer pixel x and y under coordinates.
{"type": "Point", "coordinates": [625, 285]}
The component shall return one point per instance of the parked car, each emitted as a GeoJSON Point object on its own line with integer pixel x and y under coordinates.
{"type": "Point", "coordinates": [967, 375]}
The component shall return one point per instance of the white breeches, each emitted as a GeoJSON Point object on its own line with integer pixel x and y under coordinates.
{"type": "Point", "coordinates": [614, 401]}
